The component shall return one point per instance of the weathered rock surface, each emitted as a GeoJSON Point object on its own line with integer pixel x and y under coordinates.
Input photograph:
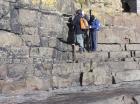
{"type": "Point", "coordinates": [123, 93]}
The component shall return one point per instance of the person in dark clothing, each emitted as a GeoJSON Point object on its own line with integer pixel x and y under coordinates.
{"type": "Point", "coordinates": [78, 31]}
{"type": "Point", "coordinates": [94, 28]}
{"type": "Point", "coordinates": [70, 39]}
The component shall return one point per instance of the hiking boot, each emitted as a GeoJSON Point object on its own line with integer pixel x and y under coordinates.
{"type": "Point", "coordinates": [81, 50]}
{"type": "Point", "coordinates": [84, 50]}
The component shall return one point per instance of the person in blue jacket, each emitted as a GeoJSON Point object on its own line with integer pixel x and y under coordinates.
{"type": "Point", "coordinates": [94, 27]}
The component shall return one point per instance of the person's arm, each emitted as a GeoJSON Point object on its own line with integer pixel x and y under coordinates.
{"type": "Point", "coordinates": [74, 20]}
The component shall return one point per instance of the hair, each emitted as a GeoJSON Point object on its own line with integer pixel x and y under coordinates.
{"type": "Point", "coordinates": [92, 17]}
{"type": "Point", "coordinates": [79, 12]}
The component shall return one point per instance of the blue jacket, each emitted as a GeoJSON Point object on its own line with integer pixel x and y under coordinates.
{"type": "Point", "coordinates": [95, 24]}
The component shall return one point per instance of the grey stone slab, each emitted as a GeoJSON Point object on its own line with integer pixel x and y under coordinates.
{"type": "Point", "coordinates": [42, 52]}
{"type": "Point", "coordinates": [122, 54]}
{"type": "Point", "coordinates": [49, 22]}
{"type": "Point", "coordinates": [133, 47]}
{"type": "Point", "coordinates": [128, 75]}
{"type": "Point", "coordinates": [95, 56]}
{"type": "Point", "coordinates": [18, 52]}
{"type": "Point", "coordinates": [31, 40]}
{"type": "Point", "coordinates": [109, 47]}
{"type": "Point", "coordinates": [137, 54]}
{"type": "Point", "coordinates": [28, 17]}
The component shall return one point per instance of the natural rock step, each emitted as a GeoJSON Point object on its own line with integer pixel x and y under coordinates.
{"type": "Point", "coordinates": [94, 73]}
{"type": "Point", "coordinates": [64, 75]}
{"type": "Point", "coordinates": [87, 66]}
{"type": "Point", "coordinates": [103, 56]}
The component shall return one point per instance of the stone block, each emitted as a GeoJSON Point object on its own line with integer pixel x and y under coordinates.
{"type": "Point", "coordinates": [28, 17]}
{"type": "Point", "coordinates": [5, 23]}
{"type": "Point", "coordinates": [48, 67]}
{"type": "Point", "coordinates": [10, 39]}
{"type": "Point", "coordinates": [26, 61]}
{"type": "Point", "coordinates": [133, 47]}
{"type": "Point", "coordinates": [51, 25]}
{"type": "Point", "coordinates": [46, 52]}
{"type": "Point", "coordinates": [96, 74]}
{"type": "Point", "coordinates": [36, 83]}
{"type": "Point", "coordinates": [34, 52]}
{"type": "Point", "coordinates": [52, 41]}
{"type": "Point", "coordinates": [3, 72]}
{"type": "Point", "coordinates": [113, 35]}
{"type": "Point", "coordinates": [23, 61]}
{"type": "Point", "coordinates": [108, 47]}
{"type": "Point", "coordinates": [127, 75]}
{"type": "Point", "coordinates": [136, 37]}
{"type": "Point", "coordinates": [4, 53]}
{"type": "Point", "coordinates": [67, 7]}
{"type": "Point", "coordinates": [30, 3]}
{"type": "Point", "coordinates": [102, 75]}
{"type": "Point", "coordinates": [6, 61]}
{"type": "Point", "coordinates": [31, 40]}
{"type": "Point", "coordinates": [47, 5]}
{"type": "Point", "coordinates": [131, 59]}
{"type": "Point", "coordinates": [44, 41]}
{"type": "Point", "coordinates": [4, 10]}
{"type": "Point", "coordinates": [88, 79]}
{"type": "Point", "coordinates": [119, 21]}
{"type": "Point", "coordinates": [42, 52]}
{"type": "Point", "coordinates": [13, 87]}
{"type": "Point", "coordinates": [120, 66]}
{"type": "Point", "coordinates": [16, 52]}
{"type": "Point", "coordinates": [14, 19]}
{"type": "Point", "coordinates": [137, 54]}
{"type": "Point", "coordinates": [67, 80]}
{"type": "Point", "coordinates": [16, 71]}
{"type": "Point", "coordinates": [66, 68]}
{"type": "Point", "coordinates": [30, 30]}
{"type": "Point", "coordinates": [122, 54]}
{"type": "Point", "coordinates": [95, 56]}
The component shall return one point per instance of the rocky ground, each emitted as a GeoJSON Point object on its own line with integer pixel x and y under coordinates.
{"type": "Point", "coordinates": [122, 93]}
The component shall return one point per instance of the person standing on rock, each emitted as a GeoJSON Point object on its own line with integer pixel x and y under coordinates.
{"type": "Point", "coordinates": [86, 33]}
{"type": "Point", "coordinates": [94, 28]}
{"type": "Point", "coordinates": [78, 31]}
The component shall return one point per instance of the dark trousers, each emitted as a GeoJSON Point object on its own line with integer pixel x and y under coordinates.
{"type": "Point", "coordinates": [93, 40]}
{"type": "Point", "coordinates": [86, 40]}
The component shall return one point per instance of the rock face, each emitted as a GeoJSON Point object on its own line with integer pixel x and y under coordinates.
{"type": "Point", "coordinates": [36, 61]}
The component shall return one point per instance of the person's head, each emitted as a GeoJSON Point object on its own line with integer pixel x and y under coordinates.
{"type": "Point", "coordinates": [92, 17]}
{"type": "Point", "coordinates": [79, 12]}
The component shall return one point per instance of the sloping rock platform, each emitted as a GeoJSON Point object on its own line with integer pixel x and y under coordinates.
{"type": "Point", "coordinates": [122, 93]}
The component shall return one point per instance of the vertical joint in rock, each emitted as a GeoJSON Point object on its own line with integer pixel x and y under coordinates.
{"type": "Point", "coordinates": [81, 79]}
{"type": "Point", "coordinates": [108, 54]}
{"type": "Point", "coordinates": [113, 80]}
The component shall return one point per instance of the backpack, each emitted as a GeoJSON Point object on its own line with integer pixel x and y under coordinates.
{"type": "Point", "coordinates": [95, 24]}
{"type": "Point", "coordinates": [84, 24]}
